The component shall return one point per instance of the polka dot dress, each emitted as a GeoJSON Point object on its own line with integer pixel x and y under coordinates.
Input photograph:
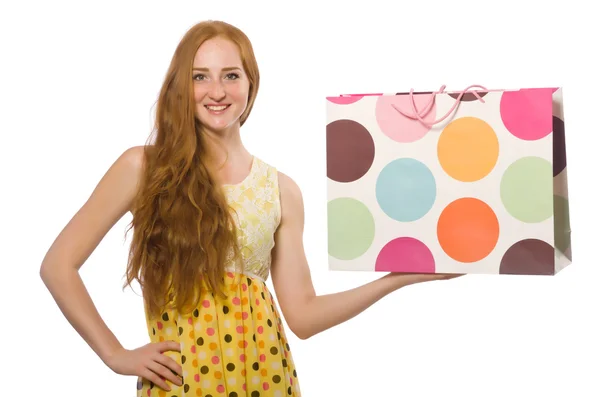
{"type": "Point", "coordinates": [235, 346]}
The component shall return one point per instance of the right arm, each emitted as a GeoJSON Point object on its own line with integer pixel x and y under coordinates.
{"type": "Point", "coordinates": [111, 199]}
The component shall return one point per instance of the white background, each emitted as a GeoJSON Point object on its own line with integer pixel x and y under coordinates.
{"type": "Point", "coordinates": [79, 81]}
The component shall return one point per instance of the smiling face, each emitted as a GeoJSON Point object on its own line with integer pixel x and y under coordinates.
{"type": "Point", "coordinates": [220, 85]}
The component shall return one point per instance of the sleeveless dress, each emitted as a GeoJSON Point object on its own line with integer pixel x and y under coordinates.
{"type": "Point", "coordinates": [237, 346]}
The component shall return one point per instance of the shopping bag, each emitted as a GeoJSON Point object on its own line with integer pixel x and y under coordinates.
{"type": "Point", "coordinates": [472, 181]}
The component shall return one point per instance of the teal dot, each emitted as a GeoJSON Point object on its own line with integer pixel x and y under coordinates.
{"type": "Point", "coordinates": [406, 190]}
{"type": "Point", "coordinates": [351, 228]}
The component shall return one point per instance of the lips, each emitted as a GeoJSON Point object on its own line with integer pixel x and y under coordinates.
{"type": "Point", "coordinates": [217, 109]}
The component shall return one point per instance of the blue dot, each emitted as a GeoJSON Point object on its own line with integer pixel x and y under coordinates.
{"type": "Point", "coordinates": [406, 190]}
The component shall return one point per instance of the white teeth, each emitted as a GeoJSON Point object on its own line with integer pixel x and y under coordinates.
{"type": "Point", "coordinates": [217, 108]}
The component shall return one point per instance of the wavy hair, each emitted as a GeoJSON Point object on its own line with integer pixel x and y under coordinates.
{"type": "Point", "coordinates": [184, 233]}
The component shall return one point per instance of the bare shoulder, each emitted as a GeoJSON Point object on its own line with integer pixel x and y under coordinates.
{"type": "Point", "coordinates": [111, 198]}
{"type": "Point", "coordinates": [291, 197]}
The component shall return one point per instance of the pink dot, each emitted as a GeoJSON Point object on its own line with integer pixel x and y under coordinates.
{"type": "Point", "coordinates": [148, 392]}
{"type": "Point", "coordinates": [260, 329]}
{"type": "Point", "coordinates": [265, 386]}
{"type": "Point", "coordinates": [244, 315]}
{"type": "Point", "coordinates": [245, 343]}
{"type": "Point", "coordinates": [210, 331]}
{"type": "Point", "coordinates": [193, 349]}
{"type": "Point", "coordinates": [344, 100]}
{"type": "Point", "coordinates": [527, 113]}
{"type": "Point", "coordinates": [243, 358]}
{"type": "Point", "coordinates": [215, 359]}
{"type": "Point", "coordinates": [206, 303]}
{"type": "Point", "coordinates": [190, 322]}
{"type": "Point", "coordinates": [399, 127]}
{"type": "Point", "coordinates": [159, 325]}
{"type": "Point", "coordinates": [236, 301]}
{"type": "Point", "coordinates": [197, 377]}
{"type": "Point", "coordinates": [257, 302]}
{"type": "Point", "coordinates": [239, 329]}
{"type": "Point", "coordinates": [244, 287]}
{"type": "Point", "coordinates": [262, 358]}
{"type": "Point", "coordinates": [229, 274]}
{"type": "Point", "coordinates": [405, 254]}
{"type": "Point", "coordinates": [220, 388]}
{"type": "Point", "coordinates": [244, 387]}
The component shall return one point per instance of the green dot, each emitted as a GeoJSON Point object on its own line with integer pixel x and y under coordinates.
{"type": "Point", "coordinates": [526, 189]}
{"type": "Point", "coordinates": [351, 228]}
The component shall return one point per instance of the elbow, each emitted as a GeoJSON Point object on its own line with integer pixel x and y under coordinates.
{"type": "Point", "coordinates": [302, 331]}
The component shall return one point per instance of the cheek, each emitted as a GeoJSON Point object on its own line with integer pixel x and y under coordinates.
{"type": "Point", "coordinates": [239, 93]}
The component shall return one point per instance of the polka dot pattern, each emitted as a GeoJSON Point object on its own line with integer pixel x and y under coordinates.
{"type": "Point", "coordinates": [234, 346]}
{"type": "Point", "coordinates": [484, 191]}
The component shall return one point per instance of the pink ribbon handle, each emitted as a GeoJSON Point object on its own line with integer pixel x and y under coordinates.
{"type": "Point", "coordinates": [418, 115]}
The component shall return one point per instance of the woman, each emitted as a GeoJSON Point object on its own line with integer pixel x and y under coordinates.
{"type": "Point", "coordinates": [211, 222]}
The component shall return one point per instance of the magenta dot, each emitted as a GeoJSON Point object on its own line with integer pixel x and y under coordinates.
{"type": "Point", "coordinates": [527, 113]}
{"type": "Point", "coordinates": [243, 358]}
{"type": "Point", "coordinates": [262, 358]}
{"type": "Point", "coordinates": [215, 359]}
{"type": "Point", "coordinates": [344, 100]}
{"type": "Point", "coordinates": [159, 325]}
{"type": "Point", "coordinates": [210, 331]}
{"type": "Point", "coordinates": [405, 254]}
{"type": "Point", "coordinates": [265, 386]}
{"type": "Point", "coordinates": [399, 127]}
{"type": "Point", "coordinates": [206, 303]}
{"type": "Point", "coordinates": [221, 389]}
{"type": "Point", "coordinates": [260, 329]}
{"type": "Point", "coordinates": [236, 301]}
{"type": "Point", "coordinates": [239, 329]}
{"type": "Point", "coordinates": [197, 377]}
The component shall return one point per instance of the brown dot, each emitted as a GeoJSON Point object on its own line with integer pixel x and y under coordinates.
{"type": "Point", "coordinates": [559, 159]}
{"type": "Point", "coordinates": [350, 150]}
{"type": "Point", "coordinates": [468, 97]}
{"type": "Point", "coordinates": [274, 350]}
{"type": "Point", "coordinates": [528, 257]}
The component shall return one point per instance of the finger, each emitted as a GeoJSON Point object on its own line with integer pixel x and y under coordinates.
{"type": "Point", "coordinates": [169, 363]}
{"type": "Point", "coordinates": [154, 378]}
{"type": "Point", "coordinates": [163, 371]}
{"type": "Point", "coordinates": [168, 345]}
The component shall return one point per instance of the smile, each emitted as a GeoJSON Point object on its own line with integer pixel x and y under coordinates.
{"type": "Point", "coordinates": [216, 109]}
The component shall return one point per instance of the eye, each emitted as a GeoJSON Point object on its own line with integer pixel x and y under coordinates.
{"type": "Point", "coordinates": [198, 77]}
{"type": "Point", "coordinates": [232, 76]}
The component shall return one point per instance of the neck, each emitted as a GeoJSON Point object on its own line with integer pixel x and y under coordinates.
{"type": "Point", "coordinates": [224, 148]}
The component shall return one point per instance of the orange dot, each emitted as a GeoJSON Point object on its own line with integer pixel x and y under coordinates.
{"type": "Point", "coordinates": [468, 149]}
{"type": "Point", "coordinates": [195, 363]}
{"type": "Point", "coordinates": [233, 288]}
{"type": "Point", "coordinates": [263, 372]}
{"type": "Point", "coordinates": [261, 344]}
{"type": "Point", "coordinates": [468, 230]}
{"type": "Point", "coordinates": [208, 318]}
{"type": "Point", "coordinates": [243, 372]}
{"type": "Point", "coordinates": [161, 338]}
{"type": "Point", "coordinates": [255, 288]}
{"type": "Point", "coordinates": [238, 315]}
{"type": "Point", "coordinates": [259, 316]}
{"type": "Point", "coordinates": [245, 329]}
{"type": "Point", "coordinates": [199, 392]}
{"type": "Point", "coordinates": [191, 334]}
{"type": "Point", "coordinates": [241, 344]}
{"type": "Point", "coordinates": [218, 374]}
{"type": "Point", "coordinates": [162, 393]}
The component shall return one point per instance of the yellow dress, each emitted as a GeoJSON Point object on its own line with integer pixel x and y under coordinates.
{"type": "Point", "coordinates": [235, 347]}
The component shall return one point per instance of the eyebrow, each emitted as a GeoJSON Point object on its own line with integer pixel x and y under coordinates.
{"type": "Point", "coordinates": [227, 69]}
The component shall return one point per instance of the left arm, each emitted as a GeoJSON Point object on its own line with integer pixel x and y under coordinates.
{"type": "Point", "coordinates": [306, 313]}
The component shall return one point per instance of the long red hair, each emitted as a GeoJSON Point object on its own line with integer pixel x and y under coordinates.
{"type": "Point", "coordinates": [184, 233]}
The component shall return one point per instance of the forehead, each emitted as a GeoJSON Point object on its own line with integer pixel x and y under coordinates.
{"type": "Point", "coordinates": [217, 52]}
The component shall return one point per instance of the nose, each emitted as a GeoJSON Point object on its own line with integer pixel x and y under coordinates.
{"type": "Point", "coordinates": [216, 90]}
